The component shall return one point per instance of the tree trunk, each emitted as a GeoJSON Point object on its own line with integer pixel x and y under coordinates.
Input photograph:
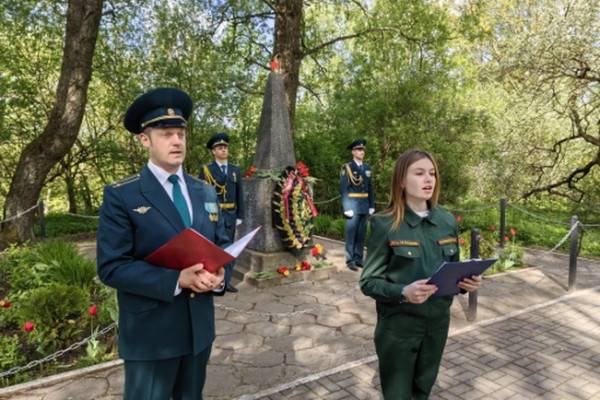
{"type": "Point", "coordinates": [39, 156]}
{"type": "Point", "coordinates": [71, 193]}
{"type": "Point", "coordinates": [87, 195]}
{"type": "Point", "coordinates": [287, 41]}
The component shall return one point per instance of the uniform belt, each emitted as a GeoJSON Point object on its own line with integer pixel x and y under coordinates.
{"type": "Point", "coordinates": [358, 195]}
{"type": "Point", "coordinates": [227, 205]}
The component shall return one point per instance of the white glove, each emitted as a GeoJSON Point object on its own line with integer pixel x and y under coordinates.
{"type": "Point", "coordinates": [238, 222]}
{"type": "Point", "coordinates": [371, 211]}
{"type": "Point", "coordinates": [349, 213]}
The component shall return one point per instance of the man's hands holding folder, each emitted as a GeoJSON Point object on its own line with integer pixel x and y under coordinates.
{"type": "Point", "coordinates": [199, 280]}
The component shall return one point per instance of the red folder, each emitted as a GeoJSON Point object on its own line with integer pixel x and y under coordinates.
{"type": "Point", "coordinates": [190, 248]}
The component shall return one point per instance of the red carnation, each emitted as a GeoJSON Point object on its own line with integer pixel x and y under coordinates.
{"type": "Point", "coordinates": [461, 241]}
{"type": "Point", "coordinates": [506, 238]}
{"type": "Point", "coordinates": [513, 232]}
{"type": "Point", "coordinates": [5, 304]}
{"type": "Point", "coordinates": [305, 266]}
{"type": "Point", "coordinates": [28, 326]}
{"type": "Point", "coordinates": [302, 169]}
{"type": "Point", "coordinates": [93, 310]}
{"type": "Point", "coordinates": [250, 171]}
{"type": "Point", "coordinates": [458, 218]}
{"type": "Point", "coordinates": [314, 251]}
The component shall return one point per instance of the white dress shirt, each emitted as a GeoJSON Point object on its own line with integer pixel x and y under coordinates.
{"type": "Point", "coordinates": [163, 178]}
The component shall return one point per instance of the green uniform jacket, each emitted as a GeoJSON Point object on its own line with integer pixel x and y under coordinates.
{"type": "Point", "coordinates": [409, 338]}
{"type": "Point", "coordinates": [396, 258]}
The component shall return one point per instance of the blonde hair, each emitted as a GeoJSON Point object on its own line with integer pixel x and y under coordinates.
{"type": "Point", "coordinates": [397, 205]}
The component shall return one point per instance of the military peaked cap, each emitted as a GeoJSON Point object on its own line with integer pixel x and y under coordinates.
{"type": "Point", "coordinates": [162, 108]}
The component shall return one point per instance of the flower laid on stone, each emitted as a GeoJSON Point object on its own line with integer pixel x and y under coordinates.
{"type": "Point", "coordinates": [28, 326]}
{"type": "Point", "coordinates": [93, 310]}
{"type": "Point", "coordinates": [283, 270]}
{"type": "Point", "coordinates": [5, 304]}
{"type": "Point", "coordinates": [318, 251]}
{"type": "Point", "coordinates": [250, 171]}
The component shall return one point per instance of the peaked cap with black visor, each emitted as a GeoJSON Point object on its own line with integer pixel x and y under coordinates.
{"type": "Point", "coordinates": [159, 108]}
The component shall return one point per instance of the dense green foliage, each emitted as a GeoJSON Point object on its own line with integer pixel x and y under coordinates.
{"type": "Point", "coordinates": [458, 79]}
{"type": "Point", "coordinates": [50, 286]}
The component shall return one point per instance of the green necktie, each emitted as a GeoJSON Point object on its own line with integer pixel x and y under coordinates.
{"type": "Point", "coordinates": [179, 201]}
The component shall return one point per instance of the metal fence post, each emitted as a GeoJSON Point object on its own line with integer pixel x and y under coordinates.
{"type": "Point", "coordinates": [42, 218]}
{"type": "Point", "coordinates": [474, 253]}
{"type": "Point", "coordinates": [574, 237]}
{"type": "Point", "coordinates": [502, 232]}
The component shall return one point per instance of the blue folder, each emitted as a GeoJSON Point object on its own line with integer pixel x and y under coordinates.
{"type": "Point", "coordinates": [449, 274]}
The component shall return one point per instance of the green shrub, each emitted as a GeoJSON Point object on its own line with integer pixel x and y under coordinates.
{"type": "Point", "coordinates": [19, 266]}
{"type": "Point", "coordinates": [47, 262]}
{"type": "Point", "coordinates": [58, 312]}
{"type": "Point", "coordinates": [322, 224]}
{"type": "Point", "coordinates": [337, 229]}
{"type": "Point", "coordinates": [65, 264]}
{"type": "Point", "coordinates": [60, 224]}
{"type": "Point", "coordinates": [11, 354]}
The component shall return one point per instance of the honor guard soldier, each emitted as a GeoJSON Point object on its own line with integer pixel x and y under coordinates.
{"type": "Point", "coordinates": [358, 202]}
{"type": "Point", "coordinates": [409, 240]}
{"type": "Point", "coordinates": [227, 180]}
{"type": "Point", "coordinates": [166, 316]}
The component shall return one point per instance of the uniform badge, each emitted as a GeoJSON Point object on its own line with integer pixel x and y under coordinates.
{"type": "Point", "coordinates": [213, 217]}
{"type": "Point", "coordinates": [142, 210]}
{"type": "Point", "coordinates": [234, 177]}
{"type": "Point", "coordinates": [211, 208]}
{"type": "Point", "coordinates": [170, 111]}
{"type": "Point", "coordinates": [368, 173]}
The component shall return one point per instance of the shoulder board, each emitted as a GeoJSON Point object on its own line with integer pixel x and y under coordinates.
{"type": "Point", "coordinates": [407, 243]}
{"type": "Point", "coordinates": [125, 181]}
{"type": "Point", "coordinates": [448, 240]}
{"type": "Point", "coordinates": [198, 180]}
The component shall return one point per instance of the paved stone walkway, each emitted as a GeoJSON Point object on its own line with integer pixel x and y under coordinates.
{"type": "Point", "coordinates": [548, 353]}
{"type": "Point", "coordinates": [272, 337]}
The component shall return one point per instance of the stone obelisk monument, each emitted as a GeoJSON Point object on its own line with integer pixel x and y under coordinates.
{"type": "Point", "coordinates": [274, 151]}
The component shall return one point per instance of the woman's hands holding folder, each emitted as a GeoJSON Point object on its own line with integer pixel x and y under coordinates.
{"type": "Point", "coordinates": [419, 291]}
{"type": "Point", "coordinates": [199, 280]}
{"type": "Point", "coordinates": [470, 284]}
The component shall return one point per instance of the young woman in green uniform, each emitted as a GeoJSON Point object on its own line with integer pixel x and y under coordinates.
{"type": "Point", "coordinates": [409, 240]}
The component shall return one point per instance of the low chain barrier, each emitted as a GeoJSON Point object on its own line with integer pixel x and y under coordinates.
{"type": "Point", "coordinates": [55, 356]}
{"type": "Point", "coordinates": [473, 210]}
{"type": "Point", "coordinates": [553, 250]}
{"type": "Point", "coordinates": [20, 214]}
{"type": "Point", "coordinates": [524, 211]}
{"type": "Point", "coordinates": [83, 216]}
{"type": "Point", "coordinates": [327, 201]}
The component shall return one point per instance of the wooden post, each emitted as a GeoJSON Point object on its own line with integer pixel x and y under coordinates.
{"type": "Point", "coordinates": [42, 218]}
{"type": "Point", "coordinates": [474, 253]}
{"type": "Point", "coordinates": [502, 232]}
{"type": "Point", "coordinates": [574, 237]}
